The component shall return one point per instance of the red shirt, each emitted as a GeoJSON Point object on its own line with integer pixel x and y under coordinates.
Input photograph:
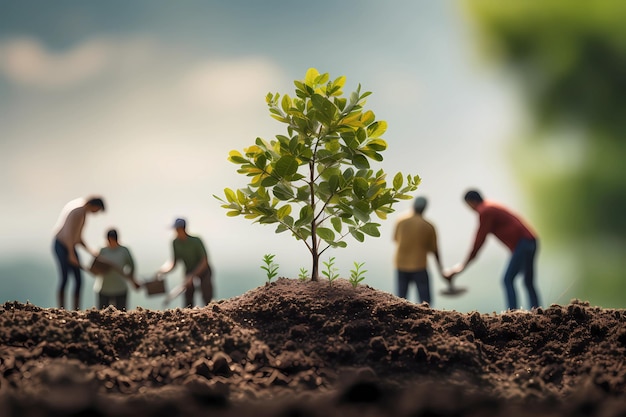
{"type": "Point", "coordinates": [505, 225]}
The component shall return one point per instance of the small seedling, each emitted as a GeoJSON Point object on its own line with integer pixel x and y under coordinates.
{"type": "Point", "coordinates": [330, 272]}
{"type": "Point", "coordinates": [270, 267]}
{"type": "Point", "coordinates": [356, 274]}
{"type": "Point", "coordinates": [304, 274]}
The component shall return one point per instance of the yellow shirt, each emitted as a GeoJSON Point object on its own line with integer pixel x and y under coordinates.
{"type": "Point", "coordinates": [415, 238]}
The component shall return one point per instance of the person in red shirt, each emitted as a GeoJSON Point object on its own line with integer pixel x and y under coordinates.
{"type": "Point", "coordinates": [518, 236]}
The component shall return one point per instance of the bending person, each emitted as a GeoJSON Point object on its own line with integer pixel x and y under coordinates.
{"type": "Point", "coordinates": [67, 238]}
{"type": "Point", "coordinates": [192, 252]}
{"type": "Point", "coordinates": [516, 234]}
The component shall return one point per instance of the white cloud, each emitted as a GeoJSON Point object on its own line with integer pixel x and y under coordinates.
{"type": "Point", "coordinates": [27, 62]}
{"type": "Point", "coordinates": [230, 84]}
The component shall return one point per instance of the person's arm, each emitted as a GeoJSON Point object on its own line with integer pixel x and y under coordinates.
{"type": "Point", "coordinates": [130, 262]}
{"type": "Point", "coordinates": [169, 265]}
{"type": "Point", "coordinates": [70, 234]}
{"type": "Point", "coordinates": [485, 226]}
{"type": "Point", "coordinates": [435, 250]}
{"type": "Point", "coordinates": [202, 266]}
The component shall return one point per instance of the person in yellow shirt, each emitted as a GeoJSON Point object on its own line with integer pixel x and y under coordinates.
{"type": "Point", "coordinates": [415, 238]}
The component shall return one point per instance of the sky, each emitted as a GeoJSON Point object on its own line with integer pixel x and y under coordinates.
{"type": "Point", "coordinates": [140, 102]}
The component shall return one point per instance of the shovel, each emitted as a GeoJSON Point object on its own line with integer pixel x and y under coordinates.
{"type": "Point", "coordinates": [174, 293]}
{"type": "Point", "coordinates": [453, 291]}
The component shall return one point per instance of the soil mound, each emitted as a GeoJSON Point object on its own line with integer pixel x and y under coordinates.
{"type": "Point", "coordinates": [312, 349]}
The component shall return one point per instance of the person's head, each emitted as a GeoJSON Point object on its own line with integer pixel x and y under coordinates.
{"type": "Point", "coordinates": [419, 205]}
{"type": "Point", "coordinates": [95, 204]}
{"type": "Point", "coordinates": [180, 226]}
{"type": "Point", "coordinates": [473, 199]}
{"type": "Point", "coordinates": [112, 237]}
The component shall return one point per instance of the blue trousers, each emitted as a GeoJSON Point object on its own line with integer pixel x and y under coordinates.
{"type": "Point", "coordinates": [522, 260]}
{"type": "Point", "coordinates": [421, 281]}
{"type": "Point", "coordinates": [62, 254]}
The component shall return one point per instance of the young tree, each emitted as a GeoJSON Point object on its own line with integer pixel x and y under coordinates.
{"type": "Point", "coordinates": [316, 181]}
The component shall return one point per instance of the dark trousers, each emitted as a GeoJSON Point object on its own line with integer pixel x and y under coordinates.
{"type": "Point", "coordinates": [65, 268]}
{"type": "Point", "coordinates": [117, 301]}
{"type": "Point", "coordinates": [522, 260]}
{"type": "Point", "coordinates": [206, 287]}
{"type": "Point", "coordinates": [421, 281]}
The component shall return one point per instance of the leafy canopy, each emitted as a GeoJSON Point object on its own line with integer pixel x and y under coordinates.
{"type": "Point", "coordinates": [316, 181]}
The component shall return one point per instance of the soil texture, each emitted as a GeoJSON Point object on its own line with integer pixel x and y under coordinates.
{"type": "Point", "coordinates": [294, 348]}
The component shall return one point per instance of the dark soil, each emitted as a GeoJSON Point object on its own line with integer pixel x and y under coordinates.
{"type": "Point", "coordinates": [311, 349]}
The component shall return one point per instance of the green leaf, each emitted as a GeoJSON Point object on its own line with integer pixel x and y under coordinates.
{"type": "Point", "coordinates": [328, 173]}
{"type": "Point", "coordinates": [322, 78]}
{"type": "Point", "coordinates": [325, 108]}
{"type": "Point", "coordinates": [286, 103]}
{"type": "Point", "coordinates": [333, 183]}
{"type": "Point", "coordinates": [241, 197]}
{"type": "Point", "coordinates": [310, 77]}
{"type": "Point", "coordinates": [269, 181]}
{"type": "Point", "coordinates": [368, 117]}
{"type": "Point", "coordinates": [398, 180]}
{"type": "Point", "coordinates": [360, 161]}
{"type": "Point", "coordinates": [283, 211]}
{"type": "Point", "coordinates": [236, 157]}
{"type": "Point", "coordinates": [293, 144]}
{"type": "Point", "coordinates": [360, 187]}
{"type": "Point", "coordinates": [361, 214]}
{"type": "Point", "coordinates": [283, 192]}
{"type": "Point", "coordinates": [303, 193]}
{"type": "Point", "coordinates": [377, 129]}
{"type": "Point", "coordinates": [371, 229]}
{"type": "Point", "coordinates": [260, 162]}
{"type": "Point", "coordinates": [286, 166]}
{"type": "Point", "coordinates": [231, 197]}
{"type": "Point", "coordinates": [349, 138]}
{"type": "Point", "coordinates": [306, 214]}
{"type": "Point", "coordinates": [377, 144]}
{"type": "Point", "coordinates": [325, 233]}
{"type": "Point", "coordinates": [359, 236]}
{"type": "Point", "coordinates": [372, 154]}
{"type": "Point", "coordinates": [337, 223]}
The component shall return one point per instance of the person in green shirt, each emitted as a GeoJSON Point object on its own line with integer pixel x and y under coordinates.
{"type": "Point", "coordinates": [192, 252]}
{"type": "Point", "coordinates": [111, 285]}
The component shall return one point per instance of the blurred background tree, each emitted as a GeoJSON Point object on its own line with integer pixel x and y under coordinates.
{"type": "Point", "coordinates": [569, 58]}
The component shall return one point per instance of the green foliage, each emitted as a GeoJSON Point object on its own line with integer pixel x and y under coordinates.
{"type": "Point", "coordinates": [303, 275]}
{"type": "Point", "coordinates": [569, 55]}
{"type": "Point", "coordinates": [316, 181]}
{"type": "Point", "coordinates": [330, 272]}
{"type": "Point", "coordinates": [269, 266]}
{"type": "Point", "coordinates": [357, 274]}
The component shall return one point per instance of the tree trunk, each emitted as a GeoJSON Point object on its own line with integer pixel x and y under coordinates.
{"type": "Point", "coordinates": [314, 242]}
{"type": "Point", "coordinates": [316, 261]}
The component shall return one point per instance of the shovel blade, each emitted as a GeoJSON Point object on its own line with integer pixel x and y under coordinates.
{"type": "Point", "coordinates": [453, 291]}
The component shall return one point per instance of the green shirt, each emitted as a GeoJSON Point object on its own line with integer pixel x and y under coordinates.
{"type": "Point", "coordinates": [190, 250]}
{"type": "Point", "coordinates": [112, 282]}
